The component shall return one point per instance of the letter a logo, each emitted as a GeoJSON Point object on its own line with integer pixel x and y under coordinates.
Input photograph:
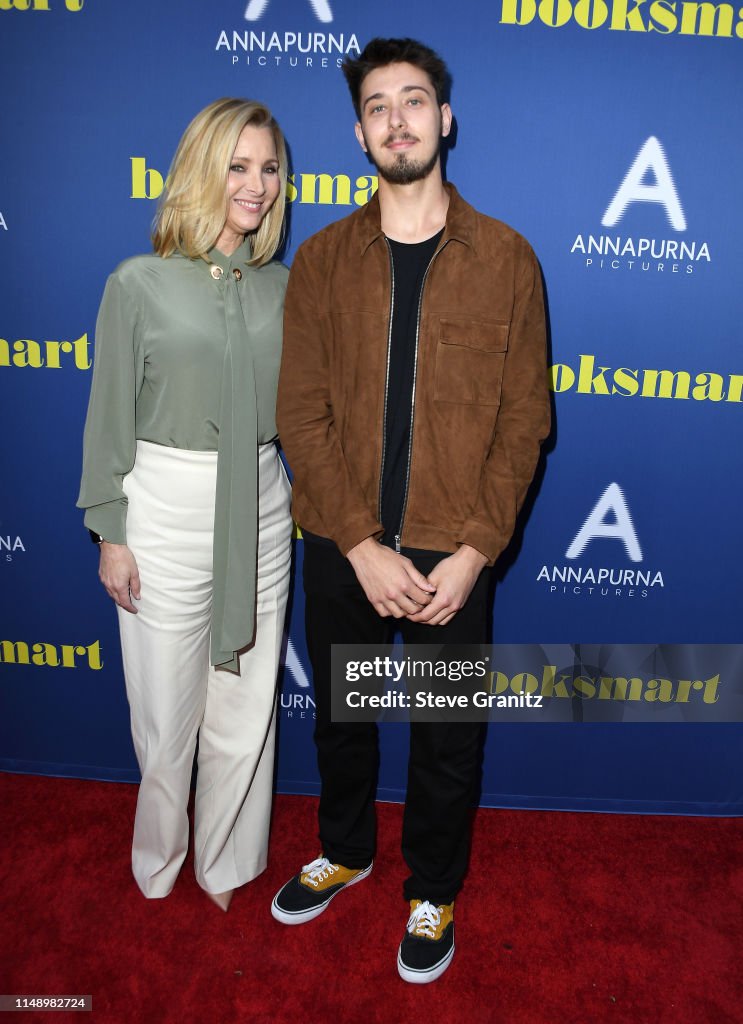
{"type": "Point", "coordinates": [612, 500]}
{"type": "Point", "coordinates": [632, 190]}
{"type": "Point", "coordinates": [255, 10]}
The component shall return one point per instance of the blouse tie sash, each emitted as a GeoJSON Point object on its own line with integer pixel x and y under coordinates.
{"type": "Point", "coordinates": [235, 543]}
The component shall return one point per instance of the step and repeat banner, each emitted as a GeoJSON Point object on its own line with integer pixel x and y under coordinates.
{"type": "Point", "coordinates": [605, 131]}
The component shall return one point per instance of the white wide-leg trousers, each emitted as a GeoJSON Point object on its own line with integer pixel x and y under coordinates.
{"type": "Point", "coordinates": [174, 693]}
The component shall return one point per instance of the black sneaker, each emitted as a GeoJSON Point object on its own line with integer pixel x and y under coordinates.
{"type": "Point", "coordinates": [428, 946]}
{"type": "Point", "coordinates": [309, 892]}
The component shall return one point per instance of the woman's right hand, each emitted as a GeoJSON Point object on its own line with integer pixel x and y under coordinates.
{"type": "Point", "coordinates": [119, 574]}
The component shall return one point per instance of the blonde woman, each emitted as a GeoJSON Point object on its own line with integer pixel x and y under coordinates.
{"type": "Point", "coordinates": [185, 494]}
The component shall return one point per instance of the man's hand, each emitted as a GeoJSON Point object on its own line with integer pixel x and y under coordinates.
{"type": "Point", "coordinates": [454, 577]}
{"type": "Point", "coordinates": [119, 574]}
{"type": "Point", "coordinates": [391, 582]}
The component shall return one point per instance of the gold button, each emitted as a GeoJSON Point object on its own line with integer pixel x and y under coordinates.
{"type": "Point", "coordinates": [216, 271]}
{"type": "Point", "coordinates": [238, 274]}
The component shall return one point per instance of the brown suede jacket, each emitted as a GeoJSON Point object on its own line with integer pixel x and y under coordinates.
{"type": "Point", "coordinates": [481, 402]}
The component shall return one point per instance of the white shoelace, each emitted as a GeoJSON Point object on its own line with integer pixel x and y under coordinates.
{"type": "Point", "coordinates": [318, 870]}
{"type": "Point", "coordinates": [424, 920]}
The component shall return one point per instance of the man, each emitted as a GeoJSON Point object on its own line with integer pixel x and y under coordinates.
{"type": "Point", "coordinates": [412, 402]}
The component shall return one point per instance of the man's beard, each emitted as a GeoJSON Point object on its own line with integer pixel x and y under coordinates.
{"type": "Point", "coordinates": [404, 171]}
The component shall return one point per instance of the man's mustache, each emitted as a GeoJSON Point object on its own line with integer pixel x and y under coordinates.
{"type": "Point", "coordinates": [405, 137]}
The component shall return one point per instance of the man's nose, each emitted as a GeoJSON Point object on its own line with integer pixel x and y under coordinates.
{"type": "Point", "coordinates": [397, 116]}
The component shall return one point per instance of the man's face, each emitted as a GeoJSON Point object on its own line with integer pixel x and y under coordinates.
{"type": "Point", "coordinates": [401, 124]}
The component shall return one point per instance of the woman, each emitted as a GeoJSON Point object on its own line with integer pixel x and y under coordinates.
{"type": "Point", "coordinates": [186, 496]}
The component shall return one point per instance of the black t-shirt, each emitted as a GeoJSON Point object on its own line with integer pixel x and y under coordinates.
{"type": "Point", "coordinates": [410, 262]}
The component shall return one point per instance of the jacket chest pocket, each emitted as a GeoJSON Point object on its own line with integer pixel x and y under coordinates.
{"type": "Point", "coordinates": [469, 361]}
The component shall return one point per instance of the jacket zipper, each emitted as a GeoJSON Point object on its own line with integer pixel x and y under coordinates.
{"type": "Point", "coordinates": [398, 535]}
{"type": "Point", "coordinates": [387, 377]}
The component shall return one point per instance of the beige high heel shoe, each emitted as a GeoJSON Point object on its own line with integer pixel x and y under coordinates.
{"type": "Point", "coordinates": [222, 899]}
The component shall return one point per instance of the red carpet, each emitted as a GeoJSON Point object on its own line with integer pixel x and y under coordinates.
{"type": "Point", "coordinates": [565, 919]}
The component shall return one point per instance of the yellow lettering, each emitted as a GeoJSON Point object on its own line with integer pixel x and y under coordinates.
{"type": "Point", "coordinates": [663, 13]}
{"type": "Point", "coordinates": [524, 682]}
{"type": "Point", "coordinates": [555, 13]}
{"type": "Point", "coordinates": [326, 190]}
{"type": "Point", "coordinates": [620, 686]}
{"type": "Point", "coordinates": [366, 186]}
{"type": "Point", "coordinates": [53, 349]}
{"type": "Point", "coordinates": [33, 354]}
{"type": "Point", "coordinates": [588, 382]}
{"type": "Point", "coordinates": [515, 13]}
{"type": "Point", "coordinates": [28, 353]}
{"type": "Point", "coordinates": [590, 13]}
{"type": "Point", "coordinates": [24, 5]}
{"type": "Point", "coordinates": [498, 682]}
{"type": "Point", "coordinates": [670, 385]}
{"type": "Point", "coordinates": [682, 693]}
{"type": "Point", "coordinates": [82, 358]}
{"type": "Point", "coordinates": [708, 386]}
{"type": "Point", "coordinates": [68, 656]}
{"type": "Point", "coordinates": [706, 19]}
{"type": "Point", "coordinates": [585, 686]}
{"type": "Point", "coordinates": [561, 377]}
{"type": "Point", "coordinates": [625, 382]}
{"type": "Point", "coordinates": [710, 690]}
{"type": "Point", "coordinates": [623, 20]}
{"type": "Point", "coordinates": [291, 189]}
{"type": "Point", "coordinates": [50, 655]}
{"type": "Point", "coordinates": [14, 653]}
{"type": "Point", "coordinates": [45, 654]}
{"type": "Point", "coordinates": [735, 385]}
{"type": "Point", "coordinates": [552, 687]}
{"type": "Point", "coordinates": [94, 655]}
{"type": "Point", "coordinates": [659, 690]}
{"type": "Point", "coordinates": [147, 183]}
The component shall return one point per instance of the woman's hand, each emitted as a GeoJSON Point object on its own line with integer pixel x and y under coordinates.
{"type": "Point", "coordinates": [119, 574]}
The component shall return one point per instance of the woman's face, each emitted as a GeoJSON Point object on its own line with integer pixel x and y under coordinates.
{"type": "Point", "coordinates": [253, 186]}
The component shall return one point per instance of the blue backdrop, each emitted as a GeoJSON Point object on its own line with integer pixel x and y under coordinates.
{"type": "Point", "coordinates": [608, 134]}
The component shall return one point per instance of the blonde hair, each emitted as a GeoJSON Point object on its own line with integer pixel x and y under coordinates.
{"type": "Point", "coordinates": [193, 207]}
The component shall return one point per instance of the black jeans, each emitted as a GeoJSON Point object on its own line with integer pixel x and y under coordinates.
{"type": "Point", "coordinates": [445, 758]}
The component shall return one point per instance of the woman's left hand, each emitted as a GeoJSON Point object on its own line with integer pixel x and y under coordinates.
{"type": "Point", "coordinates": [119, 574]}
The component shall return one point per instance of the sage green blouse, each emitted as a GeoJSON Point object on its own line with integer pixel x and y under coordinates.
{"type": "Point", "coordinates": [187, 355]}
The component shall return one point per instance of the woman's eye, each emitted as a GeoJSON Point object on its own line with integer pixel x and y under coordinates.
{"type": "Point", "coordinates": [236, 168]}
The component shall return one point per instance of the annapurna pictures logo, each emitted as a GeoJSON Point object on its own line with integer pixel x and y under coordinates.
{"type": "Point", "coordinates": [296, 704]}
{"type": "Point", "coordinates": [649, 180]}
{"type": "Point", "coordinates": [255, 9]}
{"type": "Point", "coordinates": [610, 519]}
{"type": "Point", "coordinates": [259, 47]}
{"type": "Point", "coordinates": [11, 545]}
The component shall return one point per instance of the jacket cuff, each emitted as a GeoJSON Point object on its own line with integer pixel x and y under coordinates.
{"type": "Point", "coordinates": [108, 520]}
{"type": "Point", "coordinates": [481, 537]}
{"type": "Point", "coordinates": [353, 531]}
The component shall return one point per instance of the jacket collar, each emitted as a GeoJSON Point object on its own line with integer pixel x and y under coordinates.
{"type": "Point", "coordinates": [461, 221]}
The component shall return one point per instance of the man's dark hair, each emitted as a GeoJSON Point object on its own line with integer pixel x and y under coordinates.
{"type": "Point", "coordinates": [380, 52]}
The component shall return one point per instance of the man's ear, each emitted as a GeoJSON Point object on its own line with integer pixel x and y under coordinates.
{"type": "Point", "coordinates": [360, 136]}
{"type": "Point", "coordinates": [446, 119]}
